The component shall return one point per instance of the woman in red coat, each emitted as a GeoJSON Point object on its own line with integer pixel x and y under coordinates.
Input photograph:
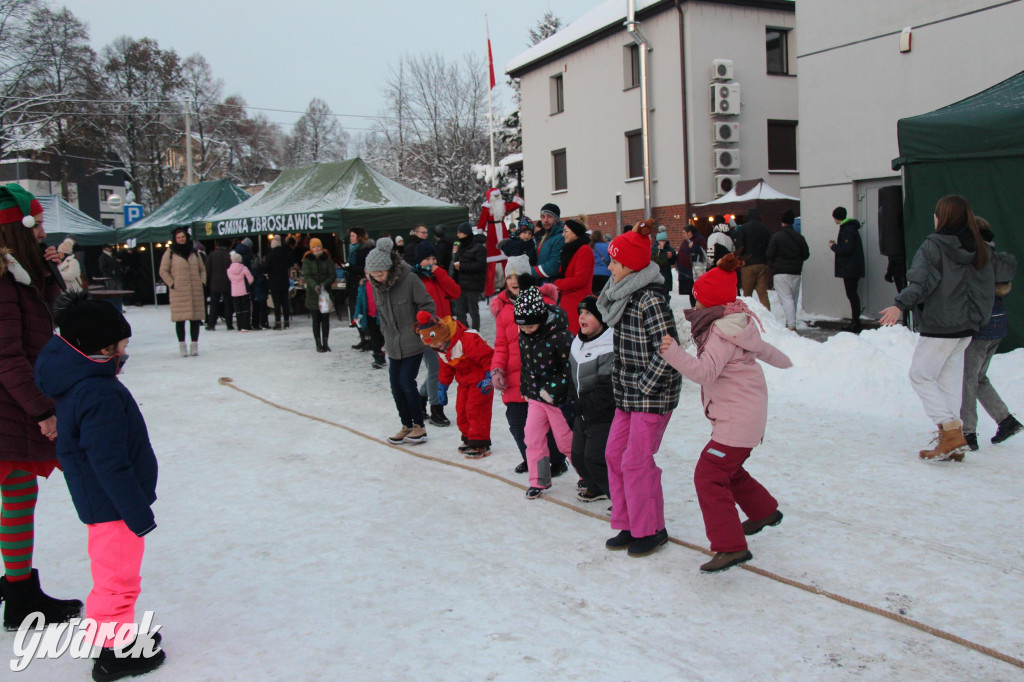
{"type": "Point", "coordinates": [28, 424]}
{"type": "Point", "coordinates": [575, 271]}
{"type": "Point", "coordinates": [505, 363]}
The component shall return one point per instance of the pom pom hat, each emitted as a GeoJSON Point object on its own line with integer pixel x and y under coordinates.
{"type": "Point", "coordinates": [718, 285]}
{"type": "Point", "coordinates": [88, 324]}
{"type": "Point", "coordinates": [379, 260]}
{"type": "Point", "coordinates": [530, 307]}
{"type": "Point", "coordinates": [18, 205]}
{"type": "Point", "coordinates": [633, 249]}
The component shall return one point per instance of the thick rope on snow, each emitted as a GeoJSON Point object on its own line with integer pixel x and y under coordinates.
{"type": "Point", "coordinates": [910, 622]}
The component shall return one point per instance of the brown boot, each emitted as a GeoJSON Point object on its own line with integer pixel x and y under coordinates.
{"type": "Point", "coordinates": [725, 560]}
{"type": "Point", "coordinates": [951, 443]}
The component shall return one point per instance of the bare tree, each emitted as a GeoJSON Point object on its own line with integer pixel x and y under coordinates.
{"type": "Point", "coordinates": [145, 81]}
{"type": "Point", "coordinates": [19, 60]}
{"type": "Point", "coordinates": [253, 144]}
{"type": "Point", "coordinates": [317, 137]}
{"type": "Point", "coordinates": [435, 128]}
{"type": "Point", "coordinates": [204, 93]}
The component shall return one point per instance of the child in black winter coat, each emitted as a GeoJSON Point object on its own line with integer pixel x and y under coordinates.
{"type": "Point", "coordinates": [593, 354]}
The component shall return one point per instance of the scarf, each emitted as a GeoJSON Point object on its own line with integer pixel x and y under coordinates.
{"type": "Point", "coordinates": [568, 251]}
{"type": "Point", "coordinates": [701, 319]}
{"type": "Point", "coordinates": [184, 250]}
{"type": "Point", "coordinates": [615, 295]}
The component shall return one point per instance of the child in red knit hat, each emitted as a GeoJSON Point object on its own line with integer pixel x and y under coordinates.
{"type": "Point", "coordinates": [646, 391]}
{"type": "Point", "coordinates": [465, 357]}
{"type": "Point", "coordinates": [735, 398]}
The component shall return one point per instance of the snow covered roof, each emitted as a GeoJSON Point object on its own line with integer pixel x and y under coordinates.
{"type": "Point", "coordinates": [611, 13]}
{"type": "Point", "coordinates": [511, 158]}
{"type": "Point", "coordinates": [761, 190]}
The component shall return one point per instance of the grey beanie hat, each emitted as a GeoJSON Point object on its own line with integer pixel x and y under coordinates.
{"type": "Point", "coordinates": [379, 259]}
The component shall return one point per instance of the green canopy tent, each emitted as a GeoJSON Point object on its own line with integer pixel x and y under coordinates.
{"type": "Point", "coordinates": [192, 203]}
{"type": "Point", "coordinates": [62, 220]}
{"type": "Point", "coordinates": [332, 197]}
{"type": "Point", "coordinates": [975, 148]}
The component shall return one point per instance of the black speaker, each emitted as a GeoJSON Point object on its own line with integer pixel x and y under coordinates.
{"type": "Point", "coordinates": [890, 221]}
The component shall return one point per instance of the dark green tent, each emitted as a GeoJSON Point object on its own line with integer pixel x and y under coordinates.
{"type": "Point", "coordinates": [192, 203]}
{"type": "Point", "coordinates": [332, 197]}
{"type": "Point", "coordinates": [974, 148]}
{"type": "Point", "coordinates": [61, 220]}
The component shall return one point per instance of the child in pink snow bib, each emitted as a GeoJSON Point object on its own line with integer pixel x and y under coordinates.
{"type": "Point", "coordinates": [735, 398]}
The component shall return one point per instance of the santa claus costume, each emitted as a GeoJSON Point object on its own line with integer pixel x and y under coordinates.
{"type": "Point", "coordinates": [492, 223]}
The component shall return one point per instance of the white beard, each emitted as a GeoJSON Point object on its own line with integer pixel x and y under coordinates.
{"type": "Point", "coordinates": [497, 206]}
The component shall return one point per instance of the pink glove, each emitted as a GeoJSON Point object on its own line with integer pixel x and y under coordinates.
{"type": "Point", "coordinates": [498, 380]}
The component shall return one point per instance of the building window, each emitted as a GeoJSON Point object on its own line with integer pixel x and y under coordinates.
{"type": "Point", "coordinates": [631, 66]}
{"type": "Point", "coordinates": [558, 170]}
{"type": "Point", "coordinates": [634, 154]}
{"type": "Point", "coordinates": [557, 95]}
{"type": "Point", "coordinates": [777, 50]}
{"type": "Point", "coordinates": [782, 145]}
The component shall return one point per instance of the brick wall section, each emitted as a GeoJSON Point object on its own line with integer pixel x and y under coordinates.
{"type": "Point", "coordinates": [672, 217]}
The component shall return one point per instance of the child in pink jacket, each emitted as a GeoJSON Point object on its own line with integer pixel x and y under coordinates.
{"type": "Point", "coordinates": [735, 398]}
{"type": "Point", "coordinates": [239, 275]}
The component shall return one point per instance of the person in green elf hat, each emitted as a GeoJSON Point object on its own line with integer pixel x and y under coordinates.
{"type": "Point", "coordinates": [28, 424]}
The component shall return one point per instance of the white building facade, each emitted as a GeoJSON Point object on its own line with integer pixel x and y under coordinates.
{"type": "Point", "coordinates": [857, 79]}
{"type": "Point", "coordinates": [581, 111]}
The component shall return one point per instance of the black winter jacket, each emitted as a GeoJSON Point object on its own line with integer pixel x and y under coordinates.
{"type": "Point", "coordinates": [279, 262]}
{"type": "Point", "coordinates": [544, 355]}
{"type": "Point", "coordinates": [217, 271]}
{"type": "Point", "coordinates": [787, 252]}
{"type": "Point", "coordinates": [848, 250]}
{"type": "Point", "coordinates": [753, 237]}
{"type": "Point", "coordinates": [472, 257]}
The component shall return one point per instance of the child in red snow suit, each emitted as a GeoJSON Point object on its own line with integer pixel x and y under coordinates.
{"type": "Point", "coordinates": [464, 357]}
{"type": "Point", "coordinates": [735, 398]}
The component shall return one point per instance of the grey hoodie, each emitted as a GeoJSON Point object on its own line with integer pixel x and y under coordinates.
{"type": "Point", "coordinates": [954, 297]}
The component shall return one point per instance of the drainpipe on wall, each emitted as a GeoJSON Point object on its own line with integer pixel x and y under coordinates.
{"type": "Point", "coordinates": [645, 133]}
{"type": "Point", "coordinates": [686, 116]}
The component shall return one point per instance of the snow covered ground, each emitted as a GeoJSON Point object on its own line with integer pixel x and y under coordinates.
{"type": "Point", "coordinates": [292, 549]}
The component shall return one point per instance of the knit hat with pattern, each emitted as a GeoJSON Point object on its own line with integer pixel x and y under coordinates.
{"type": "Point", "coordinates": [379, 259]}
{"type": "Point", "coordinates": [530, 307]}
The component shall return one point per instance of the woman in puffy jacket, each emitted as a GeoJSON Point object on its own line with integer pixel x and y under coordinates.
{"type": "Point", "coordinates": [319, 273]}
{"type": "Point", "coordinates": [183, 272]}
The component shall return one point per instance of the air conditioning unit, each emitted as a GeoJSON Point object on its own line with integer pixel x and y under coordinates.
{"type": "Point", "coordinates": [725, 183]}
{"type": "Point", "coordinates": [725, 99]}
{"type": "Point", "coordinates": [726, 132]}
{"type": "Point", "coordinates": [721, 70]}
{"type": "Point", "coordinates": [727, 159]}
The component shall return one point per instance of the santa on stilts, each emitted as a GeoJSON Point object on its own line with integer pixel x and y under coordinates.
{"type": "Point", "coordinates": [492, 220]}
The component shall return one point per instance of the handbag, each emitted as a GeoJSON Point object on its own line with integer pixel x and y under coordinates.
{"type": "Point", "coordinates": [700, 266]}
{"type": "Point", "coordinates": [324, 301]}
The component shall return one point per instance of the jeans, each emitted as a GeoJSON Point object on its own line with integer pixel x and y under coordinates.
{"type": "Point", "coordinates": [403, 389]}
{"type": "Point", "coordinates": [468, 302]}
{"type": "Point", "coordinates": [216, 300]}
{"type": "Point", "coordinates": [977, 387]}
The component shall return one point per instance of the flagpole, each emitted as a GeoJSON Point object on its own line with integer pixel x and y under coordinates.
{"type": "Point", "coordinates": [490, 101]}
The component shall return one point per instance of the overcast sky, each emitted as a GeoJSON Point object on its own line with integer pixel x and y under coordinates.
{"type": "Point", "coordinates": [281, 55]}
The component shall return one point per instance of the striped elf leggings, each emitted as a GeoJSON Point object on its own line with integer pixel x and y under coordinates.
{"type": "Point", "coordinates": [18, 494]}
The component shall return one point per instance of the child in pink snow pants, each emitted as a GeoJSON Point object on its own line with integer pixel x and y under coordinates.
{"type": "Point", "coordinates": [735, 398]}
{"type": "Point", "coordinates": [111, 471]}
{"type": "Point", "coordinates": [544, 347]}
{"type": "Point", "coordinates": [646, 391]}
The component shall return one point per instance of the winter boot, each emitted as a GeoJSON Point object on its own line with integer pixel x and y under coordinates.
{"type": "Point", "coordinates": [316, 337]}
{"type": "Point", "coordinates": [193, 348]}
{"type": "Point", "coordinates": [1008, 427]}
{"type": "Point", "coordinates": [751, 527]}
{"type": "Point", "coordinates": [647, 544]}
{"type": "Point", "coordinates": [477, 452]}
{"type": "Point", "coordinates": [416, 435]}
{"type": "Point", "coordinates": [724, 560]}
{"type": "Point", "coordinates": [325, 331]}
{"type": "Point", "coordinates": [951, 443]}
{"type": "Point", "coordinates": [972, 441]}
{"type": "Point", "coordinates": [25, 597]}
{"type": "Point", "coordinates": [287, 324]}
{"type": "Point", "coordinates": [621, 541]}
{"type": "Point", "coordinates": [522, 468]}
{"type": "Point", "coordinates": [182, 349]}
{"type": "Point", "coordinates": [437, 417]}
{"type": "Point", "coordinates": [533, 493]}
{"type": "Point", "coordinates": [400, 436]}
{"type": "Point", "coordinates": [113, 664]}
{"type": "Point", "coordinates": [588, 496]}
{"type": "Point", "coordinates": [277, 326]}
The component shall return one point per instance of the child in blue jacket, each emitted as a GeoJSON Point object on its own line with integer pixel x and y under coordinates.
{"type": "Point", "coordinates": [111, 471]}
